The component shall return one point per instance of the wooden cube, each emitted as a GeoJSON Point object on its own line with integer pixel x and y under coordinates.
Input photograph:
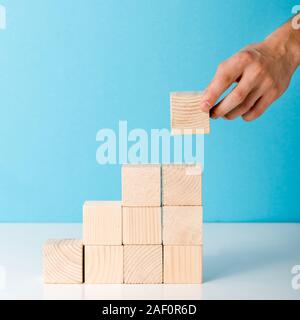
{"type": "Point", "coordinates": [102, 223]}
{"type": "Point", "coordinates": [142, 225]}
{"type": "Point", "coordinates": [141, 185]}
{"type": "Point", "coordinates": [103, 264]}
{"type": "Point", "coordinates": [182, 225]}
{"type": "Point", "coordinates": [182, 264]}
{"type": "Point", "coordinates": [186, 115]}
{"type": "Point", "coordinates": [181, 185]}
{"type": "Point", "coordinates": [143, 264]}
{"type": "Point", "coordinates": [63, 261]}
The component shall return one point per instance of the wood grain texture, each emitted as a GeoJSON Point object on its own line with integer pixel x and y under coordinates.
{"type": "Point", "coordinates": [143, 264]}
{"type": "Point", "coordinates": [142, 225]}
{"type": "Point", "coordinates": [102, 223]}
{"type": "Point", "coordinates": [103, 264]}
{"type": "Point", "coordinates": [141, 185]}
{"type": "Point", "coordinates": [182, 264]}
{"type": "Point", "coordinates": [186, 115]}
{"type": "Point", "coordinates": [182, 225]}
{"type": "Point", "coordinates": [181, 185]}
{"type": "Point", "coordinates": [63, 261]}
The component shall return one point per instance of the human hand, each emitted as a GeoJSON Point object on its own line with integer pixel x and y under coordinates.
{"type": "Point", "coordinates": [262, 72]}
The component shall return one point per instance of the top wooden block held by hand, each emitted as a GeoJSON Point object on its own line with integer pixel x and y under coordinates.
{"type": "Point", "coordinates": [186, 115]}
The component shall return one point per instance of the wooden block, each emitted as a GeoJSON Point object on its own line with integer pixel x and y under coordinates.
{"type": "Point", "coordinates": [142, 225]}
{"type": "Point", "coordinates": [182, 264]}
{"type": "Point", "coordinates": [102, 223]}
{"type": "Point", "coordinates": [63, 261]}
{"type": "Point", "coordinates": [182, 225]}
{"type": "Point", "coordinates": [181, 185]}
{"type": "Point", "coordinates": [143, 264]}
{"type": "Point", "coordinates": [141, 185]}
{"type": "Point", "coordinates": [103, 264]}
{"type": "Point", "coordinates": [186, 115]}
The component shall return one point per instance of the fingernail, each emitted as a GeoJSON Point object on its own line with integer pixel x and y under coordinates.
{"type": "Point", "coordinates": [205, 106]}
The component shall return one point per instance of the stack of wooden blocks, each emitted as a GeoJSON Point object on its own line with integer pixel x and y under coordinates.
{"type": "Point", "coordinates": [154, 235]}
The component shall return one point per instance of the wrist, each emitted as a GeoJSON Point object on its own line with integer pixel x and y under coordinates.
{"type": "Point", "coordinates": [285, 42]}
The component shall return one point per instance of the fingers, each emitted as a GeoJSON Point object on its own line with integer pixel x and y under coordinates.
{"type": "Point", "coordinates": [261, 78]}
{"type": "Point", "coordinates": [256, 103]}
{"type": "Point", "coordinates": [259, 108]}
{"type": "Point", "coordinates": [227, 73]}
{"type": "Point", "coordinates": [246, 105]}
{"type": "Point", "coordinates": [236, 97]}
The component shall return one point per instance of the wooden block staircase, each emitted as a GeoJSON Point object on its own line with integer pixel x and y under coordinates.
{"type": "Point", "coordinates": [153, 236]}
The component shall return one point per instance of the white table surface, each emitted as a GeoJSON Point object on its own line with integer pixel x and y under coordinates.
{"type": "Point", "coordinates": [241, 261]}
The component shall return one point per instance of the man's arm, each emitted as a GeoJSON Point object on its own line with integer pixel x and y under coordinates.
{"type": "Point", "coordinates": [262, 71]}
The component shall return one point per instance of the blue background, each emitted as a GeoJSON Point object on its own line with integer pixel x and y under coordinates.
{"type": "Point", "coordinates": [69, 68]}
